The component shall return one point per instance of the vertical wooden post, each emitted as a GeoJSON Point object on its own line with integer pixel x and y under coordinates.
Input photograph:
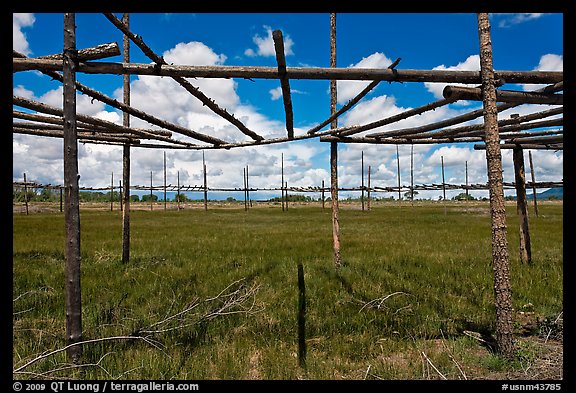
{"type": "Point", "coordinates": [150, 190]}
{"type": "Point", "coordinates": [245, 190]}
{"type": "Point", "coordinates": [368, 201]}
{"type": "Point", "coordinates": [334, 152]}
{"type": "Point", "coordinates": [533, 183]}
{"type": "Point", "coordinates": [178, 190]}
{"type": "Point", "coordinates": [248, 188]}
{"type": "Point", "coordinates": [521, 205]}
{"type": "Point", "coordinates": [467, 197]}
{"type": "Point", "coordinates": [121, 196]}
{"type": "Point", "coordinates": [282, 186]}
{"type": "Point", "coordinates": [500, 259]}
{"type": "Point", "coordinates": [205, 183]}
{"type": "Point", "coordinates": [412, 173]}
{"type": "Point", "coordinates": [112, 192]}
{"type": "Point", "coordinates": [398, 162]}
{"type": "Point", "coordinates": [25, 193]}
{"type": "Point", "coordinates": [323, 195]}
{"type": "Point", "coordinates": [301, 317]}
{"type": "Point", "coordinates": [164, 180]}
{"type": "Point", "coordinates": [126, 150]}
{"type": "Point", "coordinates": [286, 194]}
{"type": "Point", "coordinates": [362, 184]}
{"type": "Point", "coordinates": [73, 297]}
{"type": "Point", "coordinates": [443, 185]}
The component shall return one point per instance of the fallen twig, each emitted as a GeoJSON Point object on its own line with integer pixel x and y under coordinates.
{"type": "Point", "coordinates": [434, 367]}
{"type": "Point", "coordinates": [380, 300]}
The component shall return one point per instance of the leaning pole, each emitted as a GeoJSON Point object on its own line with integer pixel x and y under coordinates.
{"type": "Point", "coordinates": [500, 258]}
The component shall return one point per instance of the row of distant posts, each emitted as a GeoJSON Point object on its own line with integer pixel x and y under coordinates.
{"type": "Point", "coordinates": [284, 187]}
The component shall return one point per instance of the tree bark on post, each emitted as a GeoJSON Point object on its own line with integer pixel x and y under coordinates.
{"type": "Point", "coordinates": [521, 205]}
{"type": "Point", "coordinates": [73, 296]}
{"type": "Point", "coordinates": [500, 258]}
{"type": "Point", "coordinates": [126, 151]}
{"type": "Point", "coordinates": [334, 152]}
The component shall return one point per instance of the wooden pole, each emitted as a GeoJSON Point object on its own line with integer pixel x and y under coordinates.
{"type": "Point", "coordinates": [533, 184]}
{"type": "Point", "coordinates": [443, 186]}
{"type": "Point", "coordinates": [25, 193]}
{"type": "Point", "coordinates": [412, 173]}
{"type": "Point", "coordinates": [151, 190]}
{"type": "Point", "coordinates": [521, 205]}
{"type": "Point", "coordinates": [248, 187]}
{"type": "Point", "coordinates": [362, 196]}
{"type": "Point", "coordinates": [73, 296]}
{"type": "Point", "coordinates": [121, 196]}
{"type": "Point", "coordinates": [282, 185]}
{"type": "Point", "coordinates": [398, 162]}
{"type": "Point", "coordinates": [301, 317]}
{"type": "Point", "coordinates": [164, 180]}
{"type": "Point", "coordinates": [467, 181]}
{"type": "Point", "coordinates": [323, 195]}
{"type": "Point", "coordinates": [500, 260]}
{"type": "Point", "coordinates": [205, 184]}
{"type": "Point", "coordinates": [178, 190]}
{"type": "Point", "coordinates": [245, 190]}
{"type": "Point", "coordinates": [284, 82]}
{"type": "Point", "coordinates": [112, 192]}
{"type": "Point", "coordinates": [126, 151]}
{"type": "Point", "coordinates": [334, 152]}
{"type": "Point", "coordinates": [286, 193]}
{"type": "Point", "coordinates": [368, 201]}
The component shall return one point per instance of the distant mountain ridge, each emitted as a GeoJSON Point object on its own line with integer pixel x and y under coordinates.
{"type": "Point", "coordinates": [555, 193]}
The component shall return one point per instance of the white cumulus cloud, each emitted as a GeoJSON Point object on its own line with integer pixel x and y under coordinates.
{"type": "Point", "coordinates": [265, 45]}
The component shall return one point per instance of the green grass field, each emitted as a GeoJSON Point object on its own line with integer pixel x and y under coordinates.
{"type": "Point", "coordinates": [413, 280]}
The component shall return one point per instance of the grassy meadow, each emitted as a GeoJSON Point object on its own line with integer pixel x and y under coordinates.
{"type": "Point", "coordinates": [414, 281]}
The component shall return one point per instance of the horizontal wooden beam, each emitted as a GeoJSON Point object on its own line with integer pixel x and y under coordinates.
{"type": "Point", "coordinates": [521, 97]}
{"type": "Point", "coordinates": [316, 73]}
{"type": "Point", "coordinates": [40, 107]}
{"type": "Point", "coordinates": [94, 53]}
{"type": "Point", "coordinates": [531, 146]}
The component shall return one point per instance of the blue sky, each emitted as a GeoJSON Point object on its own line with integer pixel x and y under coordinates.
{"type": "Point", "coordinates": [423, 41]}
